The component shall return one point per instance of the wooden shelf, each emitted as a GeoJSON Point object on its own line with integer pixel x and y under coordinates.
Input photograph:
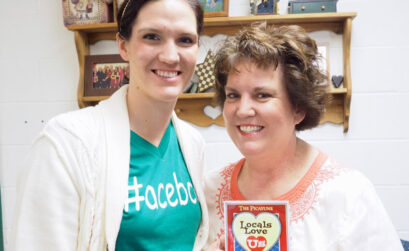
{"type": "Point", "coordinates": [190, 106]}
{"type": "Point", "coordinates": [338, 91]}
{"type": "Point", "coordinates": [229, 25]}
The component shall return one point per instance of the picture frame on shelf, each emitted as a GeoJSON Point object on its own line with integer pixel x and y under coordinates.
{"type": "Point", "coordinates": [263, 7]}
{"type": "Point", "coordinates": [104, 74]}
{"type": "Point", "coordinates": [215, 8]}
{"type": "Point", "coordinates": [82, 12]}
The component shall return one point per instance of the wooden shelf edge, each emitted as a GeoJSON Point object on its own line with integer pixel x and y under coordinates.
{"type": "Point", "coordinates": [195, 96]}
{"type": "Point", "coordinates": [94, 98]}
{"type": "Point", "coordinates": [338, 91]}
{"type": "Point", "coordinates": [346, 42]}
{"type": "Point", "coordinates": [286, 18]}
{"type": "Point", "coordinates": [239, 20]}
{"type": "Point", "coordinates": [190, 107]}
{"type": "Point", "coordinates": [205, 95]}
{"type": "Point", "coordinates": [92, 28]}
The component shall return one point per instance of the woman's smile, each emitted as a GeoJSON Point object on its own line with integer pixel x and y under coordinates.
{"type": "Point", "coordinates": [167, 73]}
{"type": "Point", "coordinates": [247, 130]}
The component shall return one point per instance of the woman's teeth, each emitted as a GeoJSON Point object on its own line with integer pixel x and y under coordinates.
{"type": "Point", "coordinates": [166, 74]}
{"type": "Point", "coordinates": [249, 129]}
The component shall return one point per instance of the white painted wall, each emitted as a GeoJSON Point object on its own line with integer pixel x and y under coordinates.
{"type": "Point", "coordinates": [39, 75]}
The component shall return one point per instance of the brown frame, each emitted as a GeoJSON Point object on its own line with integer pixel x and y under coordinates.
{"type": "Point", "coordinates": [97, 12]}
{"type": "Point", "coordinates": [90, 62]}
{"type": "Point", "coordinates": [221, 13]}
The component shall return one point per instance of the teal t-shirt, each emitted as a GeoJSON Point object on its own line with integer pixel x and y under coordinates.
{"type": "Point", "coordinates": [162, 211]}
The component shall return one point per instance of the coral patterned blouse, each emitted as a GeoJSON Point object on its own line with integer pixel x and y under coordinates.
{"type": "Point", "coordinates": [331, 208]}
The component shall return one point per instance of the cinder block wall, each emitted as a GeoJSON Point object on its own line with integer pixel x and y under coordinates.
{"type": "Point", "coordinates": [39, 76]}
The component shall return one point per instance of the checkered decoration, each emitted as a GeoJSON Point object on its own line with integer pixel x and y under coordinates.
{"type": "Point", "coordinates": [205, 72]}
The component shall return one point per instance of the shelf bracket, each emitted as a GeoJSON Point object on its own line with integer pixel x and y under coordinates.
{"type": "Point", "coordinates": [347, 71]}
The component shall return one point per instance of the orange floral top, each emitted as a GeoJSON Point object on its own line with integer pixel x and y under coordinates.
{"type": "Point", "coordinates": [331, 208]}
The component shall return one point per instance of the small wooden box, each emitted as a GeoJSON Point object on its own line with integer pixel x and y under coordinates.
{"type": "Point", "coordinates": [86, 12]}
{"type": "Point", "coordinates": [311, 6]}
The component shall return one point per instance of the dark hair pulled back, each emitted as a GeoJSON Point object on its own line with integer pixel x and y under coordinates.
{"type": "Point", "coordinates": [129, 10]}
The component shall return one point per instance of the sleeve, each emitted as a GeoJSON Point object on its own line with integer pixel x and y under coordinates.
{"type": "Point", "coordinates": [367, 225]}
{"type": "Point", "coordinates": [204, 226]}
{"type": "Point", "coordinates": [202, 160]}
{"type": "Point", "coordinates": [214, 189]}
{"type": "Point", "coordinates": [48, 200]}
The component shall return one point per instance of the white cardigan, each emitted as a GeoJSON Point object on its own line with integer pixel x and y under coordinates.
{"type": "Point", "coordinates": [72, 193]}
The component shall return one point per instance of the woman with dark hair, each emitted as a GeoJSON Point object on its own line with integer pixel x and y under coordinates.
{"type": "Point", "coordinates": [270, 86]}
{"type": "Point", "coordinates": [125, 174]}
